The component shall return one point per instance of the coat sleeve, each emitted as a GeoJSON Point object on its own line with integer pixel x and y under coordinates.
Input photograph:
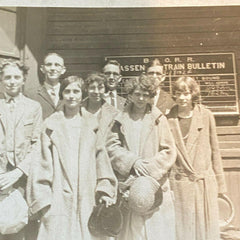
{"type": "Point", "coordinates": [106, 179]}
{"type": "Point", "coordinates": [41, 175]}
{"type": "Point", "coordinates": [121, 158]}
{"type": "Point", "coordinates": [162, 161]}
{"type": "Point", "coordinates": [216, 156]}
{"type": "Point", "coordinates": [30, 156]}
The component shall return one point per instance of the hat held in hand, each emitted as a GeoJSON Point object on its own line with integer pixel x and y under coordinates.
{"type": "Point", "coordinates": [145, 195]}
{"type": "Point", "coordinates": [105, 221]}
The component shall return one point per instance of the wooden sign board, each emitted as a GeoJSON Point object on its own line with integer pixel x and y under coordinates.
{"type": "Point", "coordinates": [215, 73]}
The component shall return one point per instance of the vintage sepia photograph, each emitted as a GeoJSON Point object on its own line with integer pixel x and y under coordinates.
{"type": "Point", "coordinates": [119, 121]}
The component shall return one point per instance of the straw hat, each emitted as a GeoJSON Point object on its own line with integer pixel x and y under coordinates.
{"type": "Point", "coordinates": [145, 195]}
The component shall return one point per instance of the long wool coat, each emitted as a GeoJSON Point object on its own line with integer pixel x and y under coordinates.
{"type": "Point", "coordinates": [197, 177]}
{"type": "Point", "coordinates": [157, 148]}
{"type": "Point", "coordinates": [51, 182]}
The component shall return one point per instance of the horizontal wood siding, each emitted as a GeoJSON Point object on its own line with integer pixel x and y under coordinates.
{"type": "Point", "coordinates": [85, 36]}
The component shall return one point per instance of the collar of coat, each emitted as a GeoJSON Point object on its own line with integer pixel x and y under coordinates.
{"type": "Point", "coordinates": [56, 121]}
{"type": "Point", "coordinates": [194, 131]}
{"type": "Point", "coordinates": [151, 110]}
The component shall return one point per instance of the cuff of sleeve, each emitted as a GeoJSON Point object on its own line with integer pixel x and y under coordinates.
{"type": "Point", "coordinates": [23, 168]}
{"type": "Point", "coordinates": [36, 206]}
{"type": "Point", "coordinates": [106, 187]}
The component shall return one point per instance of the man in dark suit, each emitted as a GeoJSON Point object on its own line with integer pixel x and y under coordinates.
{"type": "Point", "coordinates": [48, 93]}
{"type": "Point", "coordinates": [162, 100]}
{"type": "Point", "coordinates": [112, 72]}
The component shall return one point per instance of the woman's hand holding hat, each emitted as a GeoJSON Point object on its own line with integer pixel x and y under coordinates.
{"type": "Point", "coordinates": [140, 169]}
{"type": "Point", "coordinates": [108, 200]}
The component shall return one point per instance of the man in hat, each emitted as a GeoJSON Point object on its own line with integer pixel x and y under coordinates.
{"type": "Point", "coordinates": [48, 93]}
{"type": "Point", "coordinates": [112, 72]}
{"type": "Point", "coordinates": [162, 100]}
{"type": "Point", "coordinates": [20, 124]}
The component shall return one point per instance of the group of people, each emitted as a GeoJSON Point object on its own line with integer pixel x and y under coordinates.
{"type": "Point", "coordinates": [76, 143]}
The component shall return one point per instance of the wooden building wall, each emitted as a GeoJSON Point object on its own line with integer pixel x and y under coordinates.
{"type": "Point", "coordinates": [85, 36]}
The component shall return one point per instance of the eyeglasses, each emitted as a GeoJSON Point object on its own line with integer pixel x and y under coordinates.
{"type": "Point", "coordinates": [155, 73]}
{"type": "Point", "coordinates": [115, 74]}
{"type": "Point", "coordinates": [57, 65]}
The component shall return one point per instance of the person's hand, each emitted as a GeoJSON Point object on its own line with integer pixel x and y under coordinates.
{"type": "Point", "coordinates": [107, 200]}
{"type": "Point", "coordinates": [140, 168]}
{"type": "Point", "coordinates": [9, 178]}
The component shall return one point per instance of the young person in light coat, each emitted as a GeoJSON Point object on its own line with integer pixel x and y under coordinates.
{"type": "Point", "coordinates": [64, 181]}
{"type": "Point", "coordinates": [140, 143]}
{"type": "Point", "coordinates": [20, 124]}
{"type": "Point", "coordinates": [197, 176]}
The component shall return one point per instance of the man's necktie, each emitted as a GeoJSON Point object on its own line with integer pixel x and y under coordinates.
{"type": "Point", "coordinates": [112, 98]}
{"type": "Point", "coordinates": [53, 96]}
{"type": "Point", "coordinates": [11, 103]}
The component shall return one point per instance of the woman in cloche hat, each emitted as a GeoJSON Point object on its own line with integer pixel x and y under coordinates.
{"type": "Point", "coordinates": [142, 150]}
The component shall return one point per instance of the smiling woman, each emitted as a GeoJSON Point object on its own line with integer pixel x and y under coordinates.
{"type": "Point", "coordinates": [57, 185]}
{"type": "Point", "coordinates": [141, 149]}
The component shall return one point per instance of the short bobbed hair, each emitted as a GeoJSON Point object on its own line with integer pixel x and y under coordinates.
{"type": "Point", "coordinates": [66, 81]}
{"type": "Point", "coordinates": [98, 77]}
{"type": "Point", "coordinates": [12, 62]}
{"type": "Point", "coordinates": [186, 83]}
{"type": "Point", "coordinates": [144, 82]}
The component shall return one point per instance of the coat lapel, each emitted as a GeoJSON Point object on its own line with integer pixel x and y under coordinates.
{"type": "Point", "coordinates": [195, 127]}
{"type": "Point", "coordinates": [20, 110]}
{"type": "Point", "coordinates": [149, 121]}
{"type": "Point", "coordinates": [43, 93]}
{"type": "Point", "coordinates": [176, 131]}
{"type": "Point", "coordinates": [58, 136]}
{"type": "Point", "coordinates": [2, 113]}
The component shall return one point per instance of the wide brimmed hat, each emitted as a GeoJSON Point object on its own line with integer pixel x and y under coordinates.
{"type": "Point", "coordinates": [145, 195]}
{"type": "Point", "coordinates": [105, 221]}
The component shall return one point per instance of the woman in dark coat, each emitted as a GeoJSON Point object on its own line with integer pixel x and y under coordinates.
{"type": "Point", "coordinates": [197, 176]}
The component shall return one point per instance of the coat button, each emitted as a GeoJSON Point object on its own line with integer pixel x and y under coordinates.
{"type": "Point", "coordinates": [191, 178]}
{"type": "Point", "coordinates": [178, 176]}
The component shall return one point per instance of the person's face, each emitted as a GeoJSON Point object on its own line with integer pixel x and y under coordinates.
{"type": "Point", "coordinates": [96, 91]}
{"type": "Point", "coordinates": [112, 73]}
{"type": "Point", "coordinates": [53, 68]}
{"type": "Point", "coordinates": [184, 98]}
{"type": "Point", "coordinates": [157, 73]}
{"type": "Point", "coordinates": [12, 80]}
{"type": "Point", "coordinates": [140, 98]}
{"type": "Point", "coordinates": [72, 95]}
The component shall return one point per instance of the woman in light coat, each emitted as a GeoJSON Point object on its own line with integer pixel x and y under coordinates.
{"type": "Point", "coordinates": [140, 143]}
{"type": "Point", "coordinates": [197, 176]}
{"type": "Point", "coordinates": [63, 182]}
